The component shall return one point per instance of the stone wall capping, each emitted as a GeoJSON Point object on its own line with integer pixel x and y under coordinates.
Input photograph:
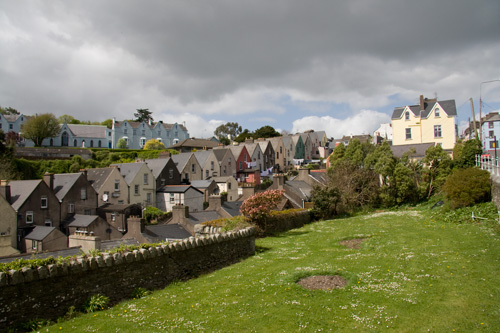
{"type": "Point", "coordinates": [15, 277]}
{"type": "Point", "coordinates": [92, 262]}
{"type": "Point", "coordinates": [53, 270]}
{"type": "Point", "coordinates": [100, 261]}
{"type": "Point", "coordinates": [118, 259]}
{"type": "Point", "coordinates": [43, 273]}
{"type": "Point", "coordinates": [129, 257]}
{"type": "Point", "coordinates": [29, 274]}
{"type": "Point", "coordinates": [186, 244]}
{"type": "Point", "coordinates": [4, 279]}
{"type": "Point", "coordinates": [145, 253]}
{"type": "Point", "coordinates": [153, 251]}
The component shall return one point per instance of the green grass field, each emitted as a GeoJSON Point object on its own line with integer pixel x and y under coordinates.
{"type": "Point", "coordinates": [411, 274]}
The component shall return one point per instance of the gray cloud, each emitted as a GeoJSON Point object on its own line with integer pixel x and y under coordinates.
{"type": "Point", "coordinates": [98, 59]}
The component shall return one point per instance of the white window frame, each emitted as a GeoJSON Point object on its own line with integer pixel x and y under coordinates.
{"type": "Point", "coordinates": [136, 189]}
{"type": "Point", "coordinates": [146, 179]}
{"type": "Point", "coordinates": [71, 208]}
{"type": "Point", "coordinates": [44, 202]}
{"type": "Point", "coordinates": [438, 132]}
{"type": "Point", "coordinates": [29, 217]}
{"type": "Point", "coordinates": [408, 133]}
{"type": "Point", "coordinates": [437, 112]}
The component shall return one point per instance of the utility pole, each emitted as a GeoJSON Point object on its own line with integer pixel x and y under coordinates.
{"type": "Point", "coordinates": [474, 117]}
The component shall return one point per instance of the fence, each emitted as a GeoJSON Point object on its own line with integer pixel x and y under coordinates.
{"type": "Point", "coordinates": [491, 164]}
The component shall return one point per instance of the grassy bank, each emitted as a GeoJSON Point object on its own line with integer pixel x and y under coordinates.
{"type": "Point", "coordinates": [412, 273]}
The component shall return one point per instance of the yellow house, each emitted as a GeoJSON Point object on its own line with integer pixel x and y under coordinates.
{"type": "Point", "coordinates": [431, 121]}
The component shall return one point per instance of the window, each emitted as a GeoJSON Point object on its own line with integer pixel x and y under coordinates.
{"type": "Point", "coordinates": [437, 112]}
{"type": "Point", "coordinates": [159, 133]}
{"type": "Point", "coordinates": [491, 124]}
{"type": "Point", "coordinates": [136, 189]}
{"type": "Point", "coordinates": [172, 199]}
{"type": "Point", "coordinates": [33, 244]}
{"type": "Point", "coordinates": [212, 165]}
{"type": "Point", "coordinates": [437, 131]}
{"type": "Point", "coordinates": [170, 173]}
{"type": "Point", "coordinates": [145, 179]}
{"type": "Point", "coordinates": [493, 144]}
{"type": "Point", "coordinates": [143, 132]}
{"type": "Point", "coordinates": [48, 222]}
{"type": "Point", "coordinates": [29, 217]}
{"type": "Point", "coordinates": [241, 165]}
{"type": "Point", "coordinates": [125, 131]}
{"type": "Point", "coordinates": [207, 174]}
{"type": "Point", "coordinates": [163, 182]}
{"type": "Point", "coordinates": [407, 115]}
{"type": "Point", "coordinates": [11, 126]}
{"type": "Point", "coordinates": [278, 155]}
{"type": "Point", "coordinates": [134, 132]}
{"type": "Point", "coordinates": [408, 133]}
{"type": "Point", "coordinates": [228, 186]}
{"type": "Point", "coordinates": [229, 161]}
{"type": "Point", "coordinates": [142, 142]}
{"type": "Point", "coordinates": [492, 134]}
{"type": "Point", "coordinates": [99, 144]}
{"type": "Point", "coordinates": [117, 185]}
{"type": "Point", "coordinates": [148, 198]}
{"type": "Point", "coordinates": [281, 150]}
{"type": "Point", "coordinates": [87, 212]}
{"type": "Point", "coordinates": [193, 168]}
{"type": "Point", "coordinates": [113, 216]}
{"type": "Point", "coordinates": [44, 202]}
{"type": "Point", "coordinates": [83, 193]}
{"type": "Point", "coordinates": [71, 208]}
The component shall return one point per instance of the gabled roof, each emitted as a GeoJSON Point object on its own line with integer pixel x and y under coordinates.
{"type": "Point", "coordinates": [181, 160]}
{"type": "Point", "coordinates": [220, 153]}
{"type": "Point", "coordinates": [195, 143]}
{"type": "Point", "coordinates": [320, 176]}
{"type": "Point", "coordinates": [447, 106]}
{"type": "Point", "coordinates": [275, 141]}
{"type": "Point", "coordinates": [202, 184]}
{"type": "Point", "coordinates": [233, 208]}
{"type": "Point", "coordinates": [20, 191]}
{"type": "Point", "coordinates": [301, 188]}
{"type": "Point", "coordinates": [98, 176]}
{"type": "Point", "coordinates": [40, 232]}
{"type": "Point", "coordinates": [177, 189]}
{"type": "Point", "coordinates": [263, 145]}
{"type": "Point", "coordinates": [169, 231]}
{"type": "Point", "coordinates": [88, 131]}
{"type": "Point", "coordinates": [157, 165]}
{"type": "Point", "coordinates": [202, 156]}
{"type": "Point", "coordinates": [63, 182]}
{"type": "Point", "coordinates": [200, 217]}
{"type": "Point", "coordinates": [236, 150]}
{"type": "Point", "coordinates": [223, 179]}
{"type": "Point", "coordinates": [79, 220]}
{"type": "Point", "coordinates": [251, 147]}
{"type": "Point", "coordinates": [129, 170]}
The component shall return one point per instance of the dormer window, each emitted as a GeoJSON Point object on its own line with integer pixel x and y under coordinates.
{"type": "Point", "coordinates": [437, 112]}
{"type": "Point", "coordinates": [407, 115]}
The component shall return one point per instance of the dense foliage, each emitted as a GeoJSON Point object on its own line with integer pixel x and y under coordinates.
{"type": "Point", "coordinates": [258, 207]}
{"type": "Point", "coordinates": [154, 144]}
{"type": "Point", "coordinates": [466, 187]}
{"type": "Point", "coordinates": [40, 127]}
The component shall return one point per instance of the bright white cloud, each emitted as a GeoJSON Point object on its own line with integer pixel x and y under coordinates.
{"type": "Point", "coordinates": [364, 122]}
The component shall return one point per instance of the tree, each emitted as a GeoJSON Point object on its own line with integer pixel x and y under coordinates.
{"type": "Point", "coordinates": [143, 115]}
{"type": "Point", "coordinates": [325, 199]}
{"type": "Point", "coordinates": [154, 144]}
{"type": "Point", "coordinates": [439, 165]}
{"type": "Point", "coordinates": [464, 154]}
{"type": "Point", "coordinates": [8, 111]}
{"type": "Point", "coordinates": [108, 123]}
{"type": "Point", "coordinates": [246, 134]}
{"type": "Point", "coordinates": [466, 187]}
{"type": "Point", "coordinates": [40, 127]}
{"type": "Point", "coordinates": [226, 130]}
{"type": "Point", "coordinates": [66, 118]}
{"type": "Point", "coordinates": [266, 132]}
{"type": "Point", "coordinates": [121, 144]}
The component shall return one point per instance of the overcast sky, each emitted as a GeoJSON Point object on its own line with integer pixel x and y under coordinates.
{"type": "Point", "coordinates": [337, 66]}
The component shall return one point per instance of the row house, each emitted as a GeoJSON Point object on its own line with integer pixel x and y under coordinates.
{"type": "Point", "coordinates": [136, 134]}
{"type": "Point", "coordinates": [430, 121]}
{"type": "Point", "coordinates": [226, 162]}
{"type": "Point", "coordinates": [209, 163]}
{"type": "Point", "coordinates": [141, 184]}
{"type": "Point", "coordinates": [109, 184]}
{"type": "Point", "coordinates": [490, 132]}
{"type": "Point", "coordinates": [8, 225]}
{"type": "Point", "coordinates": [185, 195]}
{"type": "Point", "coordinates": [267, 155]}
{"type": "Point", "coordinates": [11, 122]}
{"type": "Point", "coordinates": [188, 167]}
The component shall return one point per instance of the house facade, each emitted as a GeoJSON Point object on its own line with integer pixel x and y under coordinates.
{"type": "Point", "coordinates": [185, 195]}
{"type": "Point", "coordinates": [490, 130]}
{"type": "Point", "coordinates": [208, 163]}
{"type": "Point", "coordinates": [140, 181]}
{"type": "Point", "coordinates": [136, 134]}
{"type": "Point", "coordinates": [228, 185]}
{"type": "Point", "coordinates": [109, 184]}
{"type": "Point", "coordinates": [8, 224]}
{"type": "Point", "coordinates": [164, 171]}
{"type": "Point", "coordinates": [430, 121]}
{"type": "Point", "coordinates": [226, 162]}
{"type": "Point", "coordinates": [188, 167]}
{"type": "Point", "coordinates": [267, 154]}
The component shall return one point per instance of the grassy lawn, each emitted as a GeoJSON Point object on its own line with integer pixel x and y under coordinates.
{"type": "Point", "coordinates": [412, 273]}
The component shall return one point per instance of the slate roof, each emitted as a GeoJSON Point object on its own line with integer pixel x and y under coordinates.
{"type": "Point", "coordinates": [251, 147]}
{"type": "Point", "coordinates": [60, 253]}
{"type": "Point", "coordinates": [40, 232]}
{"type": "Point", "coordinates": [201, 183]}
{"type": "Point", "coordinates": [88, 131]}
{"type": "Point", "coordinates": [420, 149]}
{"type": "Point", "coordinates": [63, 182]}
{"type": "Point", "coordinates": [233, 208]}
{"type": "Point", "coordinates": [20, 190]}
{"type": "Point", "coordinates": [129, 170]}
{"type": "Point", "coordinates": [195, 143]}
{"type": "Point", "coordinates": [157, 165]}
{"type": "Point", "coordinates": [447, 106]}
{"type": "Point", "coordinates": [319, 175]}
{"type": "Point", "coordinates": [181, 160]}
{"type": "Point", "coordinates": [79, 220]}
{"type": "Point", "coordinates": [177, 188]}
{"type": "Point", "coordinates": [98, 176]}
{"type": "Point", "coordinates": [169, 231]}
{"type": "Point", "coordinates": [301, 188]}
{"type": "Point", "coordinates": [111, 244]}
{"type": "Point", "coordinates": [236, 150]}
{"type": "Point", "coordinates": [200, 217]}
{"type": "Point", "coordinates": [220, 153]}
{"type": "Point", "coordinates": [202, 156]}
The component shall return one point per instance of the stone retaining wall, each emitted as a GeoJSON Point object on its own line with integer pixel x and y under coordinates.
{"type": "Point", "coordinates": [47, 292]}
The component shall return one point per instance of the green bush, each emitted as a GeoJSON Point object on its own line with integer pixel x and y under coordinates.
{"type": "Point", "coordinates": [95, 303]}
{"type": "Point", "coordinates": [466, 187]}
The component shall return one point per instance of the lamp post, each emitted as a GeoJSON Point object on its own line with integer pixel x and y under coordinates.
{"type": "Point", "coordinates": [481, 105]}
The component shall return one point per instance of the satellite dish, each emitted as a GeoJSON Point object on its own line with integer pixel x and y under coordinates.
{"type": "Point", "coordinates": [105, 197]}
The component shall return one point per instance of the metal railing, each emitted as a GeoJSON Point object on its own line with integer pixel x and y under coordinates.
{"type": "Point", "coordinates": [491, 164]}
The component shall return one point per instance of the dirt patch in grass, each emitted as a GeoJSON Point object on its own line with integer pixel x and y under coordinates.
{"type": "Point", "coordinates": [352, 243]}
{"type": "Point", "coordinates": [323, 282]}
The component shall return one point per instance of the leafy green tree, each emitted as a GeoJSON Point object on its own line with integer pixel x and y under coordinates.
{"type": "Point", "coordinates": [228, 129]}
{"type": "Point", "coordinates": [383, 162]}
{"type": "Point", "coordinates": [464, 153]}
{"type": "Point", "coordinates": [154, 144]}
{"type": "Point", "coordinates": [143, 115]}
{"type": "Point", "coordinates": [246, 134]}
{"type": "Point", "coordinates": [40, 127]}
{"type": "Point", "coordinates": [108, 123]}
{"type": "Point", "coordinates": [266, 132]}
{"type": "Point", "coordinates": [404, 184]}
{"type": "Point", "coordinates": [338, 154]}
{"type": "Point", "coordinates": [326, 200]}
{"type": "Point", "coordinates": [65, 118]}
{"type": "Point", "coordinates": [121, 144]}
{"type": "Point", "coordinates": [438, 166]}
{"type": "Point", "coordinates": [8, 111]}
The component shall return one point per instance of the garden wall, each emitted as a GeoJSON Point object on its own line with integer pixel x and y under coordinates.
{"type": "Point", "coordinates": [495, 190]}
{"type": "Point", "coordinates": [47, 292]}
{"type": "Point", "coordinates": [280, 221]}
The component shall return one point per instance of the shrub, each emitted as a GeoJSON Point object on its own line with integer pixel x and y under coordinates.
{"type": "Point", "coordinates": [140, 292]}
{"type": "Point", "coordinates": [466, 187]}
{"type": "Point", "coordinates": [258, 206]}
{"type": "Point", "coordinates": [152, 213]}
{"type": "Point", "coordinates": [95, 303]}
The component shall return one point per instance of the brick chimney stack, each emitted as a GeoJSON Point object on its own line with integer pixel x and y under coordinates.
{"type": "Point", "coordinates": [422, 105]}
{"type": "Point", "coordinates": [214, 202]}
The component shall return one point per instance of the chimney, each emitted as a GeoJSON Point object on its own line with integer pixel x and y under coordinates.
{"type": "Point", "coordinates": [48, 178]}
{"type": "Point", "coordinates": [84, 173]}
{"type": "Point", "coordinates": [5, 190]}
{"type": "Point", "coordinates": [279, 180]}
{"type": "Point", "coordinates": [135, 226]}
{"type": "Point", "coordinates": [179, 213]}
{"type": "Point", "coordinates": [214, 202]}
{"type": "Point", "coordinates": [422, 106]}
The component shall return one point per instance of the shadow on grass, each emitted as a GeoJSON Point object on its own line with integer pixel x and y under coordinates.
{"type": "Point", "coordinates": [261, 249]}
{"type": "Point", "coordinates": [288, 233]}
